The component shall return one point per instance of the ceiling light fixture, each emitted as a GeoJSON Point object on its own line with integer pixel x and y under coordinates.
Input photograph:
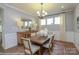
{"type": "Point", "coordinates": [42, 12]}
{"type": "Point", "coordinates": [62, 6]}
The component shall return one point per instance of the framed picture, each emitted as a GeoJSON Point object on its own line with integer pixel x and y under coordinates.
{"type": "Point", "coordinates": [77, 23]}
{"type": "Point", "coordinates": [78, 20]}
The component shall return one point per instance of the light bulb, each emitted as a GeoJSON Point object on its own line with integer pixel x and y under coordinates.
{"type": "Point", "coordinates": [38, 13]}
{"type": "Point", "coordinates": [45, 13]}
{"type": "Point", "coordinates": [62, 6]}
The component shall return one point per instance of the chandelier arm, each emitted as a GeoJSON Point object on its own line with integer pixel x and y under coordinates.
{"type": "Point", "coordinates": [41, 9]}
{"type": "Point", "coordinates": [41, 13]}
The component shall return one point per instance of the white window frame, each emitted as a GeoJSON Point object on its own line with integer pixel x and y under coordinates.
{"type": "Point", "coordinates": [57, 21]}
{"type": "Point", "coordinates": [28, 23]}
{"type": "Point", "coordinates": [43, 22]}
{"type": "Point", "coordinates": [25, 23]}
{"type": "Point", "coordinates": [51, 22]}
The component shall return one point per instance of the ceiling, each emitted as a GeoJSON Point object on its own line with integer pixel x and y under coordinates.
{"type": "Point", "coordinates": [51, 8]}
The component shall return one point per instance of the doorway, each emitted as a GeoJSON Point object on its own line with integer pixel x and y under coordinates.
{"type": "Point", "coordinates": [1, 28]}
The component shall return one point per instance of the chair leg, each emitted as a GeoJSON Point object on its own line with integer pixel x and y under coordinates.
{"type": "Point", "coordinates": [49, 50]}
{"type": "Point", "coordinates": [39, 52]}
{"type": "Point", "coordinates": [25, 53]}
{"type": "Point", "coordinates": [52, 48]}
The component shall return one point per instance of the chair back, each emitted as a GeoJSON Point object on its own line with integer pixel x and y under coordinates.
{"type": "Point", "coordinates": [27, 45]}
{"type": "Point", "coordinates": [51, 40]}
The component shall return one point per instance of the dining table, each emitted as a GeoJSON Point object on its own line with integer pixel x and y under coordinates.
{"type": "Point", "coordinates": [40, 40]}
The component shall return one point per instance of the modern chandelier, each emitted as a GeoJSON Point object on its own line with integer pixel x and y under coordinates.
{"type": "Point", "coordinates": [41, 13]}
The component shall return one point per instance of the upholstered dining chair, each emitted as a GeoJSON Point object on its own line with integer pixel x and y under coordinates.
{"type": "Point", "coordinates": [49, 45]}
{"type": "Point", "coordinates": [30, 48]}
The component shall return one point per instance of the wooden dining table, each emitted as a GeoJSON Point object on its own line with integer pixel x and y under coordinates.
{"type": "Point", "coordinates": [40, 40]}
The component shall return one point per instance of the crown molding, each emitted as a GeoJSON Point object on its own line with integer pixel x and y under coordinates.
{"type": "Point", "coordinates": [17, 9]}
{"type": "Point", "coordinates": [60, 12]}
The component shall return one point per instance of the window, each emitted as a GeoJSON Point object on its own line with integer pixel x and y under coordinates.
{"type": "Point", "coordinates": [25, 24]}
{"type": "Point", "coordinates": [29, 23]}
{"type": "Point", "coordinates": [49, 21]}
{"type": "Point", "coordinates": [57, 20]}
{"type": "Point", "coordinates": [43, 22]}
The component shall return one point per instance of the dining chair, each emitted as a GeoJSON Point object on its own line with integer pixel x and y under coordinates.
{"type": "Point", "coordinates": [49, 45]}
{"type": "Point", "coordinates": [30, 48]}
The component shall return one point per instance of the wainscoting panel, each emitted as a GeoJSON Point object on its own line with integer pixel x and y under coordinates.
{"type": "Point", "coordinates": [77, 40]}
{"type": "Point", "coordinates": [10, 40]}
{"type": "Point", "coordinates": [69, 36]}
{"type": "Point", "coordinates": [57, 34]}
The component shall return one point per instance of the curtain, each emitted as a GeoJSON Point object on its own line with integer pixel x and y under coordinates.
{"type": "Point", "coordinates": [62, 27]}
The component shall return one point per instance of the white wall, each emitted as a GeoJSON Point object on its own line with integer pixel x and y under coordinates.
{"type": "Point", "coordinates": [57, 34]}
{"type": "Point", "coordinates": [0, 27]}
{"type": "Point", "coordinates": [76, 34]}
{"type": "Point", "coordinates": [9, 26]}
{"type": "Point", "coordinates": [69, 17]}
{"type": "Point", "coordinates": [69, 27]}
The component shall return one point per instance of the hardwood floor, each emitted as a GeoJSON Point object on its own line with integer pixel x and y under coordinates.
{"type": "Point", "coordinates": [60, 48]}
{"type": "Point", "coordinates": [64, 48]}
{"type": "Point", "coordinates": [18, 50]}
{"type": "Point", "coordinates": [1, 49]}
